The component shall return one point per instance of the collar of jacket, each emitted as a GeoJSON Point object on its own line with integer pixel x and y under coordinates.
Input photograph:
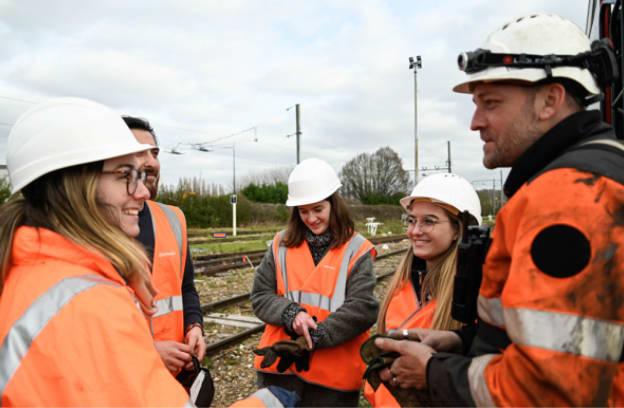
{"type": "Point", "coordinates": [571, 130]}
{"type": "Point", "coordinates": [37, 244]}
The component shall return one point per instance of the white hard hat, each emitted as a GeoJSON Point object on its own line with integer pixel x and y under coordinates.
{"type": "Point", "coordinates": [536, 34]}
{"type": "Point", "coordinates": [65, 132]}
{"type": "Point", "coordinates": [311, 181]}
{"type": "Point", "coordinates": [452, 191]}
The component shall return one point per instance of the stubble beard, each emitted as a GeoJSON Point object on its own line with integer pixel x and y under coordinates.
{"type": "Point", "coordinates": [518, 137]}
{"type": "Point", "coordinates": [152, 187]}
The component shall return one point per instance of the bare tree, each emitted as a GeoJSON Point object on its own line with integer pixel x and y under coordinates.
{"type": "Point", "coordinates": [380, 174]}
{"type": "Point", "coordinates": [270, 176]}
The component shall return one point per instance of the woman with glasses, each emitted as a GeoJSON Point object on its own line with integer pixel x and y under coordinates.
{"type": "Point", "coordinates": [315, 286]}
{"type": "Point", "coordinates": [420, 293]}
{"type": "Point", "coordinates": [74, 285]}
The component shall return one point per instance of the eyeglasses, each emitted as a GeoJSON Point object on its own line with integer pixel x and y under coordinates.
{"type": "Point", "coordinates": [426, 224]}
{"type": "Point", "coordinates": [132, 177]}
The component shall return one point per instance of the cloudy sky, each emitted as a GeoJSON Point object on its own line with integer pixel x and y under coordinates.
{"type": "Point", "coordinates": [226, 71]}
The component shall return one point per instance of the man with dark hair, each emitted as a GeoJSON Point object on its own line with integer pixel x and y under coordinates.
{"type": "Point", "coordinates": [177, 326]}
{"type": "Point", "coordinates": [550, 306]}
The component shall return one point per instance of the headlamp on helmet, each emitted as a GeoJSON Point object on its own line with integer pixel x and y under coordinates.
{"type": "Point", "coordinates": [600, 61]}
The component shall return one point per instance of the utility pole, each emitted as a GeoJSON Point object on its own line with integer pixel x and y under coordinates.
{"type": "Point", "coordinates": [448, 152]}
{"type": "Point", "coordinates": [447, 162]}
{"type": "Point", "coordinates": [298, 129]}
{"type": "Point", "coordinates": [415, 65]}
{"type": "Point", "coordinates": [494, 197]}
{"type": "Point", "coordinates": [298, 115]}
{"type": "Point", "coordinates": [234, 199]}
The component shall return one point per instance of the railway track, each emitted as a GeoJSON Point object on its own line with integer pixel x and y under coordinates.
{"type": "Point", "coordinates": [217, 346]}
{"type": "Point", "coordinates": [212, 264]}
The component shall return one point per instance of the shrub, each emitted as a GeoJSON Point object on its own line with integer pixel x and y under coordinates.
{"type": "Point", "coordinates": [276, 193]}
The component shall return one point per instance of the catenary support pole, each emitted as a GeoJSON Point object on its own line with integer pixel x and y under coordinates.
{"type": "Point", "coordinates": [298, 116]}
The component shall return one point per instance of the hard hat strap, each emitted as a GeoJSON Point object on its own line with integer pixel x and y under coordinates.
{"type": "Point", "coordinates": [600, 61]}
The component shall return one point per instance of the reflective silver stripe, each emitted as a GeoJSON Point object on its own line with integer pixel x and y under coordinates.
{"type": "Point", "coordinates": [567, 333]}
{"type": "Point", "coordinates": [315, 299]}
{"type": "Point", "coordinates": [268, 398]}
{"type": "Point", "coordinates": [476, 380]}
{"type": "Point", "coordinates": [189, 404]}
{"type": "Point", "coordinates": [340, 290]}
{"type": "Point", "coordinates": [491, 311]}
{"type": "Point", "coordinates": [174, 221]}
{"type": "Point", "coordinates": [168, 305]}
{"type": "Point", "coordinates": [281, 254]}
{"type": "Point", "coordinates": [20, 336]}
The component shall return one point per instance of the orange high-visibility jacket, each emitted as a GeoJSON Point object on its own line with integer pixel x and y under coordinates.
{"type": "Point", "coordinates": [566, 332]}
{"type": "Point", "coordinates": [71, 334]}
{"type": "Point", "coordinates": [170, 248]}
{"type": "Point", "coordinates": [403, 312]}
{"type": "Point", "coordinates": [551, 315]}
{"type": "Point", "coordinates": [321, 289]}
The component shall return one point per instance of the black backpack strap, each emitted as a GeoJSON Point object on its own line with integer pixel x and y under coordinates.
{"type": "Point", "coordinates": [601, 155]}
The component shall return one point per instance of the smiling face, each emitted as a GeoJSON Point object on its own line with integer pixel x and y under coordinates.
{"type": "Point", "coordinates": [316, 216]}
{"type": "Point", "coordinates": [506, 119]}
{"type": "Point", "coordinates": [429, 245]}
{"type": "Point", "coordinates": [120, 208]}
{"type": "Point", "coordinates": [149, 160]}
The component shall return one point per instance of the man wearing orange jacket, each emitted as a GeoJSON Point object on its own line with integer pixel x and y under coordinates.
{"type": "Point", "coordinates": [551, 315]}
{"type": "Point", "coordinates": [177, 326]}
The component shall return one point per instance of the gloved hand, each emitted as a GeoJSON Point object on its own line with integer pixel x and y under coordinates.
{"type": "Point", "coordinates": [377, 359]}
{"type": "Point", "coordinates": [289, 351]}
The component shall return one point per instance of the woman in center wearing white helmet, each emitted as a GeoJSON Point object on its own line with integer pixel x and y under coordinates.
{"type": "Point", "coordinates": [315, 284]}
{"type": "Point", "coordinates": [71, 333]}
{"type": "Point", "coordinates": [421, 290]}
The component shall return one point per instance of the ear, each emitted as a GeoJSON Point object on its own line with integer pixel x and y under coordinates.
{"type": "Point", "coordinates": [549, 100]}
{"type": "Point", "coordinates": [456, 232]}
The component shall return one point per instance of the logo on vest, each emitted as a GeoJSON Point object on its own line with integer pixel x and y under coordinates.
{"type": "Point", "coordinates": [161, 254]}
{"type": "Point", "coordinates": [329, 267]}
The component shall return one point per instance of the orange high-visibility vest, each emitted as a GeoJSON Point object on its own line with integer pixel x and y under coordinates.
{"type": "Point", "coordinates": [403, 313]}
{"type": "Point", "coordinates": [321, 289]}
{"type": "Point", "coordinates": [71, 334]}
{"type": "Point", "coordinates": [170, 248]}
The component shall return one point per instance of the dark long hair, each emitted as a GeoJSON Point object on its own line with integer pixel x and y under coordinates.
{"type": "Point", "coordinates": [340, 224]}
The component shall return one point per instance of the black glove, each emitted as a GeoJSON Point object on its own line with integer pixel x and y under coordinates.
{"type": "Point", "coordinates": [289, 351]}
{"type": "Point", "coordinates": [375, 360]}
{"type": "Point", "coordinates": [198, 383]}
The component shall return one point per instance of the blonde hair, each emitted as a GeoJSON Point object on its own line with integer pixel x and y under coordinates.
{"type": "Point", "coordinates": [437, 285]}
{"type": "Point", "coordinates": [64, 201]}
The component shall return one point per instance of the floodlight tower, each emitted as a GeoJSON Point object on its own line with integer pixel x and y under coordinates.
{"type": "Point", "coordinates": [415, 64]}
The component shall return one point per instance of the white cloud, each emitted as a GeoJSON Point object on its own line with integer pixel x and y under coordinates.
{"type": "Point", "coordinates": [204, 69]}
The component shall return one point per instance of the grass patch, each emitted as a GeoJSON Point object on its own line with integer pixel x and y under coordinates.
{"type": "Point", "coordinates": [389, 227]}
{"type": "Point", "coordinates": [221, 247]}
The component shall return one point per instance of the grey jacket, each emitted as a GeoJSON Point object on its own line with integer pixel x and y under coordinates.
{"type": "Point", "coordinates": [355, 316]}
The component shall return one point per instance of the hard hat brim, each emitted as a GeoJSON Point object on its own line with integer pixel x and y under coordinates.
{"type": "Point", "coordinates": [71, 158]}
{"type": "Point", "coordinates": [530, 75]}
{"type": "Point", "coordinates": [315, 198]}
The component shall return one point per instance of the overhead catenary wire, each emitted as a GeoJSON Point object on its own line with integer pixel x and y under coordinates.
{"type": "Point", "coordinates": [12, 98]}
